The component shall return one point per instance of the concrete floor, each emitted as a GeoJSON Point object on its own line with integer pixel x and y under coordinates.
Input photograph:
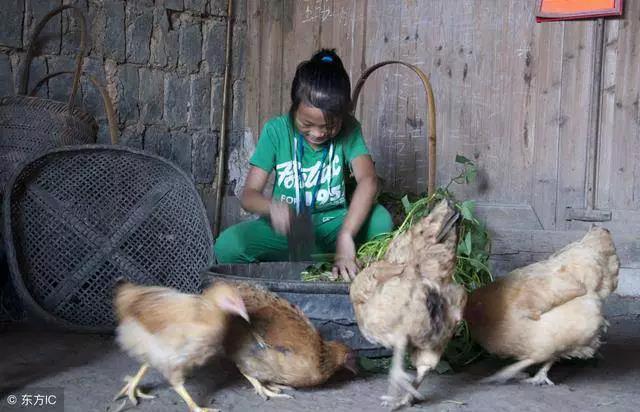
{"type": "Point", "coordinates": [90, 370]}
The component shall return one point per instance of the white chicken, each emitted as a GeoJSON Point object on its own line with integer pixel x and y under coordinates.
{"type": "Point", "coordinates": [409, 301]}
{"type": "Point", "coordinates": [548, 310]}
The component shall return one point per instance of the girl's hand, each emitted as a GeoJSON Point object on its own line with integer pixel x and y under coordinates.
{"type": "Point", "coordinates": [345, 262]}
{"type": "Point", "coordinates": [280, 215]}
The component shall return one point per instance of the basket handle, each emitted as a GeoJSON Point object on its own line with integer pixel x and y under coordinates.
{"type": "Point", "coordinates": [81, 51]}
{"type": "Point", "coordinates": [108, 106]}
{"type": "Point", "coordinates": [431, 114]}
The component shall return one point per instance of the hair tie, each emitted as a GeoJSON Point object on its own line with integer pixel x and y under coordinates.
{"type": "Point", "coordinates": [327, 59]}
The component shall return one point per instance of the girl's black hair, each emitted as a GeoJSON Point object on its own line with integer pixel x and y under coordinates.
{"type": "Point", "coordinates": [322, 82]}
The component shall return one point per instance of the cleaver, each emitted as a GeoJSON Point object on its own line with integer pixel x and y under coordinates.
{"type": "Point", "coordinates": [301, 238]}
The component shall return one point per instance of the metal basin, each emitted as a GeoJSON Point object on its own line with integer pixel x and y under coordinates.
{"type": "Point", "coordinates": [326, 304]}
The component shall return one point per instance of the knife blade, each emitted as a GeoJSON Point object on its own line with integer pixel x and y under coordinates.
{"type": "Point", "coordinates": [301, 237]}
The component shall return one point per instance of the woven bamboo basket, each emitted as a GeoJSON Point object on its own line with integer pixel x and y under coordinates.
{"type": "Point", "coordinates": [77, 218]}
{"type": "Point", "coordinates": [431, 113]}
{"type": "Point", "coordinates": [29, 125]}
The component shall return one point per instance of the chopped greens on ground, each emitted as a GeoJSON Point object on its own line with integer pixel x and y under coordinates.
{"type": "Point", "coordinates": [319, 272]}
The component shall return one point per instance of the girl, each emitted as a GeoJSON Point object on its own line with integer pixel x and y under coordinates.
{"type": "Point", "coordinates": [308, 149]}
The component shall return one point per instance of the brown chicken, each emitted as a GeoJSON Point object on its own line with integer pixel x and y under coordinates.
{"type": "Point", "coordinates": [409, 301]}
{"type": "Point", "coordinates": [172, 331]}
{"type": "Point", "coordinates": [281, 348]}
{"type": "Point", "coordinates": [548, 310]}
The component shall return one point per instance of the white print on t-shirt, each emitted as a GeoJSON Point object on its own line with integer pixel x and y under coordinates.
{"type": "Point", "coordinates": [323, 196]}
{"type": "Point", "coordinates": [286, 177]}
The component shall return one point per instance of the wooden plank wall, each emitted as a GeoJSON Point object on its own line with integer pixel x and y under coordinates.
{"type": "Point", "coordinates": [507, 90]}
{"type": "Point", "coordinates": [548, 126]}
{"type": "Point", "coordinates": [618, 186]}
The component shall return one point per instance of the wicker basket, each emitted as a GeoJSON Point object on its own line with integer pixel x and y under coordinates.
{"type": "Point", "coordinates": [29, 125]}
{"type": "Point", "coordinates": [431, 112]}
{"type": "Point", "coordinates": [77, 218]}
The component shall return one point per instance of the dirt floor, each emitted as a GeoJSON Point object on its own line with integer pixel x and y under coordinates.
{"type": "Point", "coordinates": [89, 369]}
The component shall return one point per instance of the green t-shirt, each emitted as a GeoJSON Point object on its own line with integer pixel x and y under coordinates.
{"type": "Point", "coordinates": [275, 151]}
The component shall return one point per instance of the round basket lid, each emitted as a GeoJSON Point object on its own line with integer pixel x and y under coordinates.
{"type": "Point", "coordinates": [78, 218]}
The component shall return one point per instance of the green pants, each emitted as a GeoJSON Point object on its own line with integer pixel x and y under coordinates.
{"type": "Point", "coordinates": [256, 241]}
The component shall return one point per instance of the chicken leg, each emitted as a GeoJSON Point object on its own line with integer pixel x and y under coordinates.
{"type": "Point", "coordinates": [398, 377]}
{"type": "Point", "coordinates": [131, 389]}
{"type": "Point", "coordinates": [268, 391]}
{"type": "Point", "coordinates": [193, 407]}
{"type": "Point", "coordinates": [541, 377]}
{"type": "Point", "coordinates": [509, 372]}
{"type": "Point", "coordinates": [409, 398]}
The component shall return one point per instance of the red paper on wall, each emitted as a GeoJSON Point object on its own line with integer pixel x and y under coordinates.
{"type": "Point", "coordinates": [556, 10]}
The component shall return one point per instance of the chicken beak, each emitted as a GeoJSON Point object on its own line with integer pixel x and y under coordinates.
{"type": "Point", "coordinates": [245, 316]}
{"type": "Point", "coordinates": [236, 306]}
{"type": "Point", "coordinates": [351, 363]}
{"type": "Point", "coordinates": [242, 311]}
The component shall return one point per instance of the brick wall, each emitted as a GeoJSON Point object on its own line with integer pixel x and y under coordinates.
{"type": "Point", "coordinates": [162, 62]}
